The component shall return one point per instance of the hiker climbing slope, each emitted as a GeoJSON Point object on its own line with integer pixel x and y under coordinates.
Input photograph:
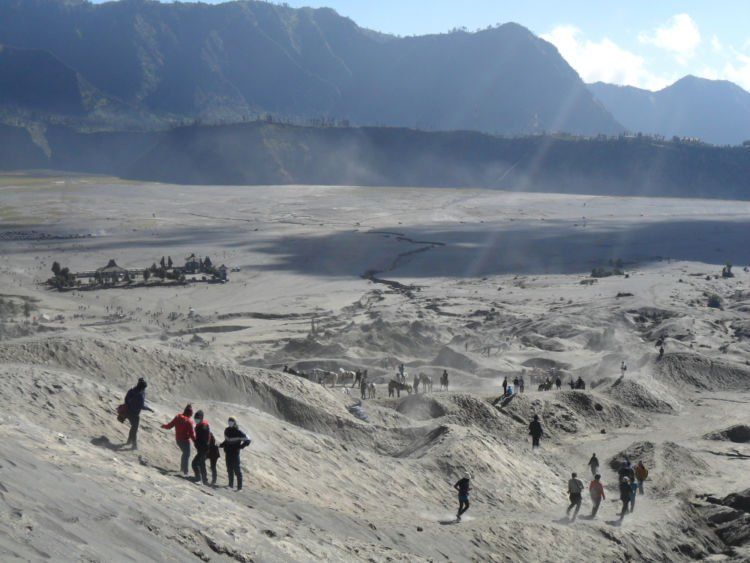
{"type": "Point", "coordinates": [536, 431]}
{"type": "Point", "coordinates": [235, 440]}
{"type": "Point", "coordinates": [463, 486]}
{"type": "Point", "coordinates": [135, 402]}
{"type": "Point", "coordinates": [183, 433]}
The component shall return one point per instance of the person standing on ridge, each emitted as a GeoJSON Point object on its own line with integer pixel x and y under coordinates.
{"type": "Point", "coordinates": [594, 464]}
{"type": "Point", "coordinates": [135, 402]}
{"type": "Point", "coordinates": [596, 490]}
{"type": "Point", "coordinates": [521, 384]}
{"type": "Point", "coordinates": [183, 433]}
{"type": "Point", "coordinates": [505, 386]}
{"type": "Point", "coordinates": [202, 442]}
{"type": "Point", "coordinates": [641, 473]}
{"type": "Point", "coordinates": [463, 486]}
{"type": "Point", "coordinates": [235, 440]}
{"type": "Point", "coordinates": [623, 368]}
{"type": "Point", "coordinates": [558, 383]}
{"type": "Point", "coordinates": [575, 488]}
{"type": "Point", "coordinates": [536, 431]}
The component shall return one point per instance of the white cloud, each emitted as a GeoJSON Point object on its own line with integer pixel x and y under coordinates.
{"type": "Point", "coordinates": [716, 44]}
{"type": "Point", "coordinates": [602, 60]}
{"type": "Point", "coordinates": [737, 70]}
{"type": "Point", "coordinates": [679, 36]}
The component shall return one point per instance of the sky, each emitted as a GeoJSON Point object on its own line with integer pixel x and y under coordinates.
{"type": "Point", "coordinates": [644, 43]}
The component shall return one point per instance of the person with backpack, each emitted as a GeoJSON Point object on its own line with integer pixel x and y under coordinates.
{"type": "Point", "coordinates": [641, 473]}
{"type": "Point", "coordinates": [135, 402]}
{"type": "Point", "coordinates": [594, 464]}
{"type": "Point", "coordinates": [596, 491]}
{"type": "Point", "coordinates": [624, 496]}
{"type": "Point", "coordinates": [463, 486]}
{"type": "Point", "coordinates": [202, 442]}
{"type": "Point", "coordinates": [183, 433]}
{"type": "Point", "coordinates": [536, 431]}
{"type": "Point", "coordinates": [575, 488]}
{"type": "Point", "coordinates": [235, 440]}
{"type": "Point", "coordinates": [213, 457]}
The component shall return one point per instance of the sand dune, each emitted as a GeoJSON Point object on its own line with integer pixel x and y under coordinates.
{"type": "Point", "coordinates": [501, 293]}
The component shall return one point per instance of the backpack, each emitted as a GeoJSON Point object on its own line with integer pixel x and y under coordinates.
{"type": "Point", "coordinates": [122, 412]}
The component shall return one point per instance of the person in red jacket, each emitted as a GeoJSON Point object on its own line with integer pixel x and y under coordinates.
{"type": "Point", "coordinates": [596, 490]}
{"type": "Point", "coordinates": [184, 432]}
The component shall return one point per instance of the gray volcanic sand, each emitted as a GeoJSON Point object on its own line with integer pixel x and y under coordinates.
{"type": "Point", "coordinates": [481, 283]}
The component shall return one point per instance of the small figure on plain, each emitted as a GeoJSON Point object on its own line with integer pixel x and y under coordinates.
{"type": "Point", "coordinates": [536, 431]}
{"type": "Point", "coordinates": [641, 473]}
{"type": "Point", "coordinates": [183, 433]}
{"type": "Point", "coordinates": [594, 464]}
{"type": "Point", "coordinates": [521, 384]}
{"type": "Point", "coordinates": [624, 496]}
{"type": "Point", "coordinates": [135, 402]}
{"type": "Point", "coordinates": [558, 383]}
{"type": "Point", "coordinates": [202, 444]}
{"type": "Point", "coordinates": [235, 440]}
{"type": "Point", "coordinates": [575, 488]}
{"type": "Point", "coordinates": [623, 368]}
{"type": "Point", "coordinates": [463, 486]}
{"type": "Point", "coordinates": [596, 490]}
{"type": "Point", "coordinates": [444, 380]}
{"type": "Point", "coordinates": [401, 369]}
{"type": "Point", "coordinates": [661, 351]}
{"type": "Point", "coordinates": [505, 386]}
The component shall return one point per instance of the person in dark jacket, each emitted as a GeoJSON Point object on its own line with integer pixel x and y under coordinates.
{"type": "Point", "coordinates": [202, 443]}
{"type": "Point", "coordinates": [625, 493]}
{"type": "Point", "coordinates": [213, 457]}
{"type": "Point", "coordinates": [463, 486]}
{"type": "Point", "coordinates": [536, 431]}
{"type": "Point", "coordinates": [235, 440]}
{"type": "Point", "coordinates": [184, 433]}
{"type": "Point", "coordinates": [135, 401]}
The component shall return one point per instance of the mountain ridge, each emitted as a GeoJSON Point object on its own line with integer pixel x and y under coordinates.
{"type": "Point", "coordinates": [236, 60]}
{"type": "Point", "coordinates": [715, 111]}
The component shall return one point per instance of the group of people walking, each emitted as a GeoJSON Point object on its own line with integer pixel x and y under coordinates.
{"type": "Point", "coordinates": [191, 428]}
{"type": "Point", "coordinates": [630, 484]}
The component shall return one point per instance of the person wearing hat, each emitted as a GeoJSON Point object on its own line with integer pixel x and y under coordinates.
{"type": "Point", "coordinates": [235, 440]}
{"type": "Point", "coordinates": [463, 486]}
{"type": "Point", "coordinates": [202, 443]}
{"type": "Point", "coordinates": [183, 433]}
{"type": "Point", "coordinates": [135, 402]}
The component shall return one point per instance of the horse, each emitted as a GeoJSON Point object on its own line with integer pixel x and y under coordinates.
{"type": "Point", "coordinates": [396, 387]}
{"type": "Point", "coordinates": [371, 391]}
{"type": "Point", "coordinates": [329, 377]}
{"type": "Point", "coordinates": [426, 382]}
{"type": "Point", "coordinates": [546, 386]}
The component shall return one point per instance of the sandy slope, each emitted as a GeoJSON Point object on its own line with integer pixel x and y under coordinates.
{"type": "Point", "coordinates": [488, 285]}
